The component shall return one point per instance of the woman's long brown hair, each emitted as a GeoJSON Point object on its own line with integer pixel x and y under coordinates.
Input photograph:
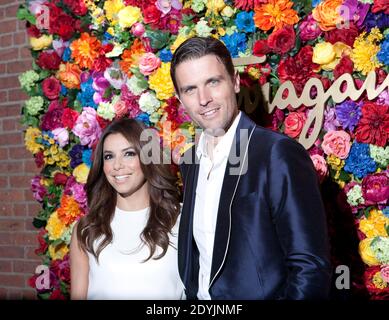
{"type": "Point", "coordinates": [102, 197]}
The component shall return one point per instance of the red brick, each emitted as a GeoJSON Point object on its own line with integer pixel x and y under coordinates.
{"type": "Point", "coordinates": [3, 67]}
{"type": "Point", "coordinates": [28, 226]}
{"type": "Point", "coordinates": [30, 253]}
{"type": "Point", "coordinates": [11, 252]}
{"type": "Point", "coordinates": [3, 94]}
{"type": "Point", "coordinates": [12, 139]}
{"type": "Point", "coordinates": [12, 124]}
{"type": "Point", "coordinates": [3, 184]}
{"type": "Point", "coordinates": [20, 181]}
{"type": "Point", "coordinates": [20, 38]}
{"type": "Point", "coordinates": [10, 110]}
{"type": "Point", "coordinates": [18, 66]}
{"type": "Point", "coordinates": [11, 167]}
{"type": "Point", "coordinates": [4, 2]}
{"type": "Point", "coordinates": [3, 293]}
{"type": "Point", "coordinates": [29, 294]}
{"type": "Point", "coordinates": [19, 152]}
{"type": "Point", "coordinates": [25, 266]}
{"type": "Point", "coordinates": [6, 40]}
{"type": "Point", "coordinates": [33, 209]}
{"type": "Point", "coordinates": [12, 195]}
{"type": "Point", "coordinates": [17, 95]}
{"type": "Point", "coordinates": [28, 196]}
{"type": "Point", "coordinates": [11, 11]}
{"type": "Point", "coordinates": [26, 238]}
{"type": "Point", "coordinates": [30, 166]}
{"type": "Point", "coordinates": [20, 209]}
{"type": "Point", "coordinates": [24, 53]}
{"type": "Point", "coordinates": [6, 209]}
{"type": "Point", "coordinates": [11, 225]}
{"type": "Point", "coordinates": [5, 266]}
{"type": "Point", "coordinates": [8, 26]}
{"type": "Point", "coordinates": [9, 82]}
{"type": "Point", "coordinates": [21, 25]}
{"type": "Point", "coordinates": [14, 294]}
{"type": "Point", "coordinates": [8, 53]}
{"type": "Point", "coordinates": [4, 154]}
{"type": "Point", "coordinates": [5, 238]}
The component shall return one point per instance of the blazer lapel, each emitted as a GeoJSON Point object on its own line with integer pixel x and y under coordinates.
{"type": "Point", "coordinates": [230, 184]}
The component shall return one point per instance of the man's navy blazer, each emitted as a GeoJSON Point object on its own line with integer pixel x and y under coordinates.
{"type": "Point", "coordinates": [271, 238]}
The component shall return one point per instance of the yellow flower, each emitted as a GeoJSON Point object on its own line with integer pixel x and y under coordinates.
{"type": "Point", "coordinates": [214, 6]}
{"type": "Point", "coordinates": [30, 142]}
{"type": "Point", "coordinates": [41, 42]}
{"type": "Point", "coordinates": [374, 225]}
{"type": "Point", "coordinates": [254, 73]}
{"type": "Point", "coordinates": [378, 281]}
{"type": "Point", "coordinates": [364, 54]}
{"type": "Point", "coordinates": [367, 253]}
{"type": "Point", "coordinates": [55, 155]}
{"type": "Point", "coordinates": [128, 16]}
{"type": "Point", "coordinates": [58, 252]}
{"type": "Point", "coordinates": [335, 162]}
{"type": "Point", "coordinates": [323, 53]}
{"type": "Point", "coordinates": [161, 82]}
{"type": "Point", "coordinates": [228, 12]}
{"type": "Point", "coordinates": [180, 39]}
{"type": "Point", "coordinates": [112, 8]}
{"type": "Point", "coordinates": [81, 173]}
{"type": "Point", "coordinates": [55, 227]}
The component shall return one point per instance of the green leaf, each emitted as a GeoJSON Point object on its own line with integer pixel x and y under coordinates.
{"type": "Point", "coordinates": [344, 176]}
{"type": "Point", "coordinates": [158, 39]}
{"type": "Point", "coordinates": [24, 14]}
{"type": "Point", "coordinates": [38, 223]}
{"type": "Point", "coordinates": [387, 229]}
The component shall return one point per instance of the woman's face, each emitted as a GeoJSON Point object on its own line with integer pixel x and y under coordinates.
{"type": "Point", "coordinates": [122, 166]}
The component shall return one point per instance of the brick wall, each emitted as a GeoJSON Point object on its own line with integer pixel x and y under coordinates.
{"type": "Point", "coordinates": [17, 206]}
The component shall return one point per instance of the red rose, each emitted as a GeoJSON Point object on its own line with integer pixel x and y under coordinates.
{"type": "Point", "coordinates": [39, 159]}
{"type": "Point", "coordinates": [32, 30]}
{"type": "Point", "coordinates": [261, 48]}
{"type": "Point", "coordinates": [380, 5]}
{"type": "Point", "coordinates": [60, 179]}
{"type": "Point", "coordinates": [78, 7]}
{"type": "Point", "coordinates": [102, 122]}
{"type": "Point", "coordinates": [345, 65]}
{"type": "Point", "coordinates": [48, 60]}
{"type": "Point", "coordinates": [373, 128]}
{"type": "Point", "coordinates": [69, 118]}
{"type": "Point", "coordinates": [51, 88]}
{"type": "Point", "coordinates": [101, 63]}
{"type": "Point", "coordinates": [52, 119]}
{"type": "Point", "coordinates": [151, 15]}
{"type": "Point", "coordinates": [282, 40]}
{"type": "Point", "coordinates": [294, 123]}
{"type": "Point", "coordinates": [346, 36]}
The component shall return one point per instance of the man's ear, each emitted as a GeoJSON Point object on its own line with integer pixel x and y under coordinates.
{"type": "Point", "coordinates": [237, 82]}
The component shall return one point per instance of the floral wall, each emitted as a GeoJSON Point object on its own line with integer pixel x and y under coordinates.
{"type": "Point", "coordinates": [96, 61]}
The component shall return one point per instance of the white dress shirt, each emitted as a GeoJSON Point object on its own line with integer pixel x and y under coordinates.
{"type": "Point", "coordinates": [209, 186]}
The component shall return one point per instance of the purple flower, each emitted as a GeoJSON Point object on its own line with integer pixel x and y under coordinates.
{"type": "Point", "coordinates": [38, 190]}
{"type": "Point", "coordinates": [355, 11]}
{"type": "Point", "coordinates": [375, 188]}
{"type": "Point", "coordinates": [79, 194]}
{"type": "Point", "coordinates": [331, 123]}
{"type": "Point", "coordinates": [379, 20]}
{"type": "Point", "coordinates": [309, 29]}
{"type": "Point", "coordinates": [348, 114]}
{"type": "Point", "coordinates": [87, 127]}
{"type": "Point", "coordinates": [100, 84]}
{"type": "Point", "coordinates": [383, 98]}
{"type": "Point", "coordinates": [76, 155]}
{"type": "Point", "coordinates": [114, 76]}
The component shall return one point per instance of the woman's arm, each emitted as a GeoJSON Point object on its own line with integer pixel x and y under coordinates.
{"type": "Point", "coordinates": [79, 269]}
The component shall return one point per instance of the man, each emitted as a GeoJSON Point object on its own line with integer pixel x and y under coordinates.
{"type": "Point", "coordinates": [253, 228]}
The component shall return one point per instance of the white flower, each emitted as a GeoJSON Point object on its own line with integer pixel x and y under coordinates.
{"type": "Point", "coordinates": [202, 28]}
{"type": "Point", "coordinates": [148, 102]}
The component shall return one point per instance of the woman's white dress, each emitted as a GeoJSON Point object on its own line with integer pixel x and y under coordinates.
{"type": "Point", "coordinates": [120, 272]}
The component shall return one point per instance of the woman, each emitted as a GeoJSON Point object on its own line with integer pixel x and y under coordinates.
{"type": "Point", "coordinates": [125, 247]}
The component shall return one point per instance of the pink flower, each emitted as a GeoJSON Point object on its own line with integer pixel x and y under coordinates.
{"type": "Point", "coordinates": [375, 188]}
{"type": "Point", "coordinates": [114, 76]}
{"type": "Point", "coordinates": [294, 123]}
{"type": "Point", "coordinates": [336, 143]}
{"type": "Point", "coordinates": [120, 108]}
{"type": "Point", "coordinates": [138, 29]}
{"type": "Point", "coordinates": [38, 190]}
{"type": "Point", "coordinates": [309, 30]}
{"type": "Point", "coordinates": [61, 135]}
{"type": "Point", "coordinates": [166, 5]}
{"type": "Point", "coordinates": [320, 165]}
{"type": "Point", "coordinates": [86, 127]}
{"type": "Point", "coordinates": [51, 88]}
{"type": "Point", "coordinates": [385, 273]}
{"type": "Point", "coordinates": [131, 102]}
{"type": "Point", "coordinates": [52, 119]}
{"type": "Point", "coordinates": [148, 63]}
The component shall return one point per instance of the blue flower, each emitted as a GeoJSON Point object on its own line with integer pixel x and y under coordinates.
{"type": "Point", "coordinates": [85, 96]}
{"type": "Point", "coordinates": [235, 43]}
{"type": "Point", "coordinates": [76, 155]}
{"type": "Point", "coordinates": [379, 20]}
{"type": "Point", "coordinates": [245, 22]}
{"type": "Point", "coordinates": [385, 211]}
{"type": "Point", "coordinates": [66, 54]}
{"type": "Point", "coordinates": [165, 55]}
{"type": "Point", "coordinates": [383, 55]}
{"type": "Point", "coordinates": [359, 162]}
{"type": "Point", "coordinates": [348, 114]}
{"type": "Point", "coordinates": [64, 90]}
{"type": "Point", "coordinates": [49, 134]}
{"type": "Point", "coordinates": [315, 3]}
{"type": "Point", "coordinates": [144, 117]}
{"type": "Point", "coordinates": [86, 157]}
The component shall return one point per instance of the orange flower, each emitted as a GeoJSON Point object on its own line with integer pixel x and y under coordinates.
{"type": "Point", "coordinates": [85, 50]}
{"type": "Point", "coordinates": [275, 13]}
{"type": "Point", "coordinates": [69, 210]}
{"type": "Point", "coordinates": [327, 14]}
{"type": "Point", "coordinates": [130, 57]}
{"type": "Point", "coordinates": [69, 75]}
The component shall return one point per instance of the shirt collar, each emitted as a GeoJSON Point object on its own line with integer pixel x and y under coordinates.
{"type": "Point", "coordinates": [224, 145]}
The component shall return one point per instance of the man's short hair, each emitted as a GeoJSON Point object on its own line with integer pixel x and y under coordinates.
{"type": "Point", "coordinates": [197, 47]}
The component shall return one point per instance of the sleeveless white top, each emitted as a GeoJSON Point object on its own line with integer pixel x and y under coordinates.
{"type": "Point", "coordinates": [120, 272]}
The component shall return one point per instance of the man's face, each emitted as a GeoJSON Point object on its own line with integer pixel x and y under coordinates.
{"type": "Point", "coordinates": [207, 92]}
